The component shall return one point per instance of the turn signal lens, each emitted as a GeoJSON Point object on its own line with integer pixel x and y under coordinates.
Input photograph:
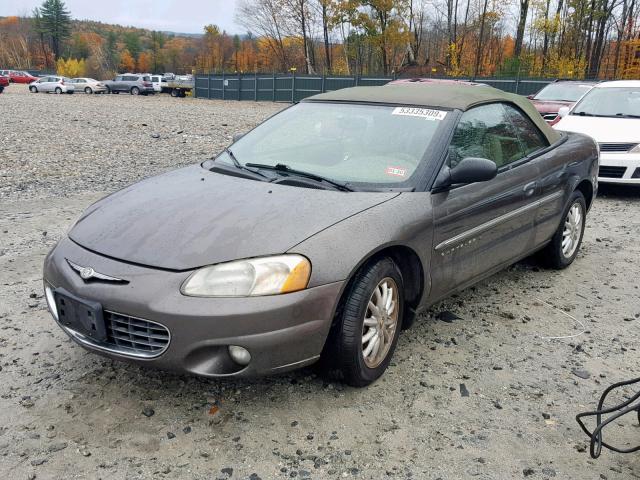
{"type": "Point", "coordinates": [635, 149]}
{"type": "Point", "coordinates": [250, 277]}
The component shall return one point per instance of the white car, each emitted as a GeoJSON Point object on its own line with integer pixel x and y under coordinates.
{"type": "Point", "coordinates": [88, 85]}
{"type": "Point", "coordinates": [53, 84]}
{"type": "Point", "coordinates": [610, 113]}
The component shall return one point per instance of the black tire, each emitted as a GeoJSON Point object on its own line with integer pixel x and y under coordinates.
{"type": "Point", "coordinates": [58, 91]}
{"type": "Point", "coordinates": [343, 352]}
{"type": "Point", "coordinates": [553, 254]}
{"type": "Point", "coordinates": [88, 90]}
{"type": "Point", "coordinates": [135, 91]}
{"type": "Point", "coordinates": [108, 90]}
{"type": "Point", "coordinates": [174, 93]}
{"type": "Point", "coordinates": [33, 89]}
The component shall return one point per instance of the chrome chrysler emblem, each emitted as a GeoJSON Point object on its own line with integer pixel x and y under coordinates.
{"type": "Point", "coordinates": [87, 273]}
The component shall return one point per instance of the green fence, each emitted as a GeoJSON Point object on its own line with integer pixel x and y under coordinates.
{"type": "Point", "coordinates": [293, 88]}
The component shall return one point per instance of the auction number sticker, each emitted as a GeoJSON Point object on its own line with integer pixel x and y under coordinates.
{"type": "Point", "coordinates": [396, 171]}
{"type": "Point", "coordinates": [427, 113]}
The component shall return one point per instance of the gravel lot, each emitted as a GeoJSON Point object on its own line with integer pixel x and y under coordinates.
{"type": "Point", "coordinates": [485, 396]}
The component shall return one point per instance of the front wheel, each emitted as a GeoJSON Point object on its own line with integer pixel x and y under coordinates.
{"type": "Point", "coordinates": [58, 90]}
{"type": "Point", "coordinates": [366, 329]}
{"type": "Point", "coordinates": [564, 246]}
{"type": "Point", "coordinates": [88, 90]}
{"type": "Point", "coordinates": [135, 91]}
{"type": "Point", "coordinates": [33, 89]}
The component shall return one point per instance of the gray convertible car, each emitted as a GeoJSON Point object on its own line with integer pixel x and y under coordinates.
{"type": "Point", "coordinates": [320, 234]}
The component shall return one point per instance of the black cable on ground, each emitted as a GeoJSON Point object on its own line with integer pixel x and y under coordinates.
{"type": "Point", "coordinates": [622, 409]}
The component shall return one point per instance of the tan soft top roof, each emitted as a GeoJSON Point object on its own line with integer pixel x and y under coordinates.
{"type": "Point", "coordinates": [461, 97]}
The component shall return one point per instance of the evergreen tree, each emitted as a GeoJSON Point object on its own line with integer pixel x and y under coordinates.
{"type": "Point", "coordinates": [55, 22]}
{"type": "Point", "coordinates": [111, 51]}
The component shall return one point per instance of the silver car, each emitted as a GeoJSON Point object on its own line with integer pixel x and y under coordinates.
{"type": "Point", "coordinates": [133, 83]}
{"type": "Point", "coordinates": [55, 84]}
{"type": "Point", "coordinates": [88, 85]}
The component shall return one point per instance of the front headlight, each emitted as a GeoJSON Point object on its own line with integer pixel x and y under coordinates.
{"type": "Point", "coordinates": [250, 277]}
{"type": "Point", "coordinates": [635, 149]}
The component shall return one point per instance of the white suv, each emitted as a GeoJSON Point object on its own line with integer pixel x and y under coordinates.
{"type": "Point", "coordinates": [52, 84]}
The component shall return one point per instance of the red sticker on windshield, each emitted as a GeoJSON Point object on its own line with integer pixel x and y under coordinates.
{"type": "Point", "coordinates": [396, 171]}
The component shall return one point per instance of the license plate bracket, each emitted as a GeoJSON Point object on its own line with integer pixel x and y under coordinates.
{"type": "Point", "coordinates": [81, 315]}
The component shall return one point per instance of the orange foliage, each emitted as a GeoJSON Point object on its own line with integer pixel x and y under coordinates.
{"type": "Point", "coordinates": [127, 63]}
{"type": "Point", "coordinates": [144, 62]}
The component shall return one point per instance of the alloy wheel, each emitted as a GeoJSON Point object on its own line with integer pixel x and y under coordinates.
{"type": "Point", "coordinates": [572, 230]}
{"type": "Point", "coordinates": [380, 322]}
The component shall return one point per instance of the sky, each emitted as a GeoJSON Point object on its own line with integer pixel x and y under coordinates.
{"type": "Point", "coordinates": [183, 16]}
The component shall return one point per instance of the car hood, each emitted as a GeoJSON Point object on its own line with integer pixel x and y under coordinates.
{"type": "Point", "coordinates": [192, 217]}
{"type": "Point", "coordinates": [550, 106]}
{"type": "Point", "coordinates": [603, 130]}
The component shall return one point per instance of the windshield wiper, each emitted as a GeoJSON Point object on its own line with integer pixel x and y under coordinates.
{"type": "Point", "coordinates": [627, 115]}
{"type": "Point", "coordinates": [585, 114]}
{"type": "Point", "coordinates": [280, 167]}
{"type": "Point", "coordinates": [239, 166]}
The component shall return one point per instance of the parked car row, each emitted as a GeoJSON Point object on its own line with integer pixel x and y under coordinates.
{"type": "Point", "coordinates": [609, 113]}
{"type": "Point", "coordinates": [18, 76]}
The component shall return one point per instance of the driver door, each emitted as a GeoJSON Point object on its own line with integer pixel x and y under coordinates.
{"type": "Point", "coordinates": [480, 227]}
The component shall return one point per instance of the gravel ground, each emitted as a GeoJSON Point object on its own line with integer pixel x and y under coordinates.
{"type": "Point", "coordinates": [487, 395]}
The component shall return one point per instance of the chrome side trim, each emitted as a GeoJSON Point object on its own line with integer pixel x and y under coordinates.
{"type": "Point", "coordinates": [496, 221]}
{"type": "Point", "coordinates": [294, 364]}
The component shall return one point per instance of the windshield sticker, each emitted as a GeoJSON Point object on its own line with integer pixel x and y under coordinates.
{"type": "Point", "coordinates": [427, 113]}
{"type": "Point", "coordinates": [396, 171]}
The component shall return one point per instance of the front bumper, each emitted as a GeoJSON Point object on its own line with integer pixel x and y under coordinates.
{"type": "Point", "coordinates": [281, 332]}
{"type": "Point", "coordinates": [619, 168]}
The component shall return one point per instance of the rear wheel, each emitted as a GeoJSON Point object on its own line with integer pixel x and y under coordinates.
{"type": "Point", "coordinates": [364, 336]}
{"type": "Point", "coordinates": [135, 91]}
{"type": "Point", "coordinates": [58, 90]}
{"type": "Point", "coordinates": [88, 90]}
{"type": "Point", "coordinates": [174, 92]}
{"type": "Point", "coordinates": [564, 246]}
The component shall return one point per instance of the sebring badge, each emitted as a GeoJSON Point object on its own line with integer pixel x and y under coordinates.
{"type": "Point", "coordinates": [87, 273]}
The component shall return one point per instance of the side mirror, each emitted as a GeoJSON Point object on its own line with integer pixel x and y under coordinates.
{"type": "Point", "coordinates": [237, 137]}
{"type": "Point", "coordinates": [530, 97]}
{"type": "Point", "coordinates": [563, 112]}
{"type": "Point", "coordinates": [469, 170]}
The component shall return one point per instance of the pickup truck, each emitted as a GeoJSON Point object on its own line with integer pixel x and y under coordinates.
{"type": "Point", "coordinates": [178, 85]}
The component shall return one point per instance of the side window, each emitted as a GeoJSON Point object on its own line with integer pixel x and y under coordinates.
{"type": "Point", "coordinates": [485, 132]}
{"type": "Point", "coordinates": [119, 78]}
{"type": "Point", "coordinates": [531, 138]}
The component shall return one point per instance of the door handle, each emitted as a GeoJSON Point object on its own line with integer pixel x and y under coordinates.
{"type": "Point", "coordinates": [530, 188]}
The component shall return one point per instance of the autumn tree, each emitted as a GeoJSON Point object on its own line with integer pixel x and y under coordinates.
{"type": "Point", "coordinates": [144, 62]}
{"type": "Point", "coordinates": [127, 62]}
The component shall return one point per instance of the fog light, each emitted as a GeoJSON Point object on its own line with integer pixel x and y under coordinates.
{"type": "Point", "coordinates": [51, 302]}
{"type": "Point", "coordinates": [239, 355]}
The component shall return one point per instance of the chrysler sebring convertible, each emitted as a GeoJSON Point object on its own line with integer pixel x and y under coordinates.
{"type": "Point", "coordinates": [319, 235]}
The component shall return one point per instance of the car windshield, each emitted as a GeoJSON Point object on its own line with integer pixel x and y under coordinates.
{"type": "Point", "coordinates": [349, 143]}
{"type": "Point", "coordinates": [610, 102]}
{"type": "Point", "coordinates": [569, 92]}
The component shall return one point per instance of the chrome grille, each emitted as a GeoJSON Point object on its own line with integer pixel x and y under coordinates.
{"type": "Point", "coordinates": [616, 147]}
{"type": "Point", "coordinates": [134, 336]}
